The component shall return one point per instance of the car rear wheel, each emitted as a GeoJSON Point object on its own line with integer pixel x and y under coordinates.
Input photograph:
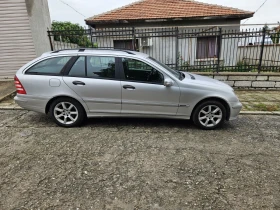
{"type": "Point", "coordinates": [67, 112]}
{"type": "Point", "coordinates": [209, 115]}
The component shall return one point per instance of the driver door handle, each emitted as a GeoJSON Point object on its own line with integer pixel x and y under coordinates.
{"type": "Point", "coordinates": [129, 87]}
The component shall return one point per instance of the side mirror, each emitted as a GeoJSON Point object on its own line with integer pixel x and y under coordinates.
{"type": "Point", "coordinates": [168, 82]}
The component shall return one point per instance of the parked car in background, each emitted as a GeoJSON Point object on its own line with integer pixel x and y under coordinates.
{"type": "Point", "coordinates": [71, 85]}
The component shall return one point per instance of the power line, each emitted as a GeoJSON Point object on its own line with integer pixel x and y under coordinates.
{"type": "Point", "coordinates": [72, 8]}
{"type": "Point", "coordinates": [257, 10]}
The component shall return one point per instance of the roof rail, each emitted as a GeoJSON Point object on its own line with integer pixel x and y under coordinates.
{"type": "Point", "coordinates": [83, 49]}
{"type": "Point", "coordinates": [57, 51]}
{"type": "Point", "coordinates": [124, 50]}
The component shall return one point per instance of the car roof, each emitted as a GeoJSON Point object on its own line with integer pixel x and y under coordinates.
{"type": "Point", "coordinates": [96, 51]}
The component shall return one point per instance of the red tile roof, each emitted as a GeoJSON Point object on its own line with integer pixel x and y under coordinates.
{"type": "Point", "coordinates": [167, 9]}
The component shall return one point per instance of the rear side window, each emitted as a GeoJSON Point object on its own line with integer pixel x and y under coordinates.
{"type": "Point", "coordinates": [79, 68]}
{"type": "Point", "coordinates": [101, 67]}
{"type": "Point", "coordinates": [49, 66]}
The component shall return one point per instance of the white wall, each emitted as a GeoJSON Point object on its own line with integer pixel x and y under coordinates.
{"type": "Point", "coordinates": [23, 34]}
{"type": "Point", "coordinates": [64, 45]}
{"type": "Point", "coordinates": [16, 44]}
{"type": "Point", "coordinates": [251, 54]}
{"type": "Point", "coordinates": [40, 21]}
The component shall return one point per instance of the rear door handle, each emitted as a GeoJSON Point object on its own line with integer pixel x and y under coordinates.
{"type": "Point", "coordinates": [129, 87]}
{"type": "Point", "coordinates": [78, 83]}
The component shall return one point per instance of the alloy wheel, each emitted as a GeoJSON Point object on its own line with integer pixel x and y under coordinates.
{"type": "Point", "coordinates": [66, 113]}
{"type": "Point", "coordinates": [210, 116]}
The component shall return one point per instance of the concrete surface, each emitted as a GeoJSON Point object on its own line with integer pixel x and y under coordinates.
{"type": "Point", "coordinates": [138, 164]}
{"type": "Point", "coordinates": [6, 88]}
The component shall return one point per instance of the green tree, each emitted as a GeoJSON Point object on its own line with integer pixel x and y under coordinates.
{"type": "Point", "coordinates": [71, 33]}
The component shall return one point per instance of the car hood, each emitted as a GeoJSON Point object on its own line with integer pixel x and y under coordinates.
{"type": "Point", "coordinates": [206, 81]}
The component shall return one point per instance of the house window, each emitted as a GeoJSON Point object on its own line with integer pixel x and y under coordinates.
{"type": "Point", "coordinates": [125, 44]}
{"type": "Point", "coordinates": [207, 47]}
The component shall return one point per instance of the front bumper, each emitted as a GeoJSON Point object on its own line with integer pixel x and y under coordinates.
{"type": "Point", "coordinates": [235, 108]}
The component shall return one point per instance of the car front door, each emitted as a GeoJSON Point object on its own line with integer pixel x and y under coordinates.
{"type": "Point", "coordinates": [94, 79]}
{"type": "Point", "coordinates": [144, 92]}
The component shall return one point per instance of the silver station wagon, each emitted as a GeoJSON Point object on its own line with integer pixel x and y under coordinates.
{"type": "Point", "coordinates": [71, 85]}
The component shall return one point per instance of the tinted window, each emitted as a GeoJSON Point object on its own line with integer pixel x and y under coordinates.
{"type": "Point", "coordinates": [139, 71]}
{"type": "Point", "coordinates": [49, 66]}
{"type": "Point", "coordinates": [101, 67]}
{"type": "Point", "coordinates": [79, 68]}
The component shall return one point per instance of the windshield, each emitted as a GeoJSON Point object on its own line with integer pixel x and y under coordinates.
{"type": "Point", "coordinates": [177, 74]}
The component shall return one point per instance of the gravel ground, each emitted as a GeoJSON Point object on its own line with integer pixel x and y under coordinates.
{"type": "Point", "coordinates": [138, 164]}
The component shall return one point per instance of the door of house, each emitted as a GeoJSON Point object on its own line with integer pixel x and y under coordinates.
{"type": "Point", "coordinates": [125, 44]}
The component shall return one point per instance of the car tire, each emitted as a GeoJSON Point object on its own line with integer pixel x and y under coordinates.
{"type": "Point", "coordinates": [209, 115]}
{"type": "Point", "coordinates": [67, 112]}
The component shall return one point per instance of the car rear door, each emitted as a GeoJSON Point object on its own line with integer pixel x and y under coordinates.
{"type": "Point", "coordinates": [94, 79]}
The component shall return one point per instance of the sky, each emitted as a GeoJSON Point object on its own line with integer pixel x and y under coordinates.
{"type": "Point", "coordinates": [269, 13]}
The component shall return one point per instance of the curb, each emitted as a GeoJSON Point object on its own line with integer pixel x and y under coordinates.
{"type": "Point", "coordinates": [10, 108]}
{"type": "Point", "coordinates": [259, 113]}
{"type": "Point", "coordinates": [7, 95]}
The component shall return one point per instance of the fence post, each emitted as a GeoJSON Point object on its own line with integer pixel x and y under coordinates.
{"type": "Point", "coordinates": [177, 47]}
{"type": "Point", "coordinates": [50, 39]}
{"type": "Point", "coordinates": [219, 43]}
{"type": "Point", "coordinates": [133, 39]}
{"type": "Point", "coordinates": [262, 47]}
{"type": "Point", "coordinates": [90, 28]}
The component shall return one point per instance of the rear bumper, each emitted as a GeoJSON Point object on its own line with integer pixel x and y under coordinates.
{"type": "Point", "coordinates": [31, 103]}
{"type": "Point", "coordinates": [235, 108]}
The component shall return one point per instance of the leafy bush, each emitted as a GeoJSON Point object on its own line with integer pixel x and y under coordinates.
{"type": "Point", "coordinates": [71, 33]}
{"type": "Point", "coordinates": [243, 66]}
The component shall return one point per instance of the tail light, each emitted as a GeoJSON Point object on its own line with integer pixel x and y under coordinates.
{"type": "Point", "coordinates": [19, 87]}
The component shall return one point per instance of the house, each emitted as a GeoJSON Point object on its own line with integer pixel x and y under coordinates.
{"type": "Point", "coordinates": [23, 34]}
{"type": "Point", "coordinates": [154, 23]}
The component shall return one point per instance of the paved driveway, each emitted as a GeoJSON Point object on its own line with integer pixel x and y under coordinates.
{"type": "Point", "coordinates": [138, 164]}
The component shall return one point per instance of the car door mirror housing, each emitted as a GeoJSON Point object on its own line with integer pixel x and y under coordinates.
{"type": "Point", "coordinates": [168, 82]}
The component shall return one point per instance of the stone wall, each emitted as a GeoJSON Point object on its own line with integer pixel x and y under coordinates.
{"type": "Point", "coordinates": [237, 80]}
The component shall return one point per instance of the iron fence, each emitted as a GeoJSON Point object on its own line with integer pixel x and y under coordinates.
{"type": "Point", "coordinates": [187, 49]}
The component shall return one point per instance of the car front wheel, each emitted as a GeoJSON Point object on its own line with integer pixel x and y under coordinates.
{"type": "Point", "coordinates": [209, 115]}
{"type": "Point", "coordinates": [67, 112]}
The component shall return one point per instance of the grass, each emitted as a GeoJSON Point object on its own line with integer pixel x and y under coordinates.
{"type": "Point", "coordinates": [265, 107]}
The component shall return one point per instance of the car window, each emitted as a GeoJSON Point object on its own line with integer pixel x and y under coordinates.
{"type": "Point", "coordinates": [172, 71]}
{"type": "Point", "coordinates": [79, 68]}
{"type": "Point", "coordinates": [101, 67]}
{"type": "Point", "coordinates": [49, 66]}
{"type": "Point", "coordinates": [136, 70]}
